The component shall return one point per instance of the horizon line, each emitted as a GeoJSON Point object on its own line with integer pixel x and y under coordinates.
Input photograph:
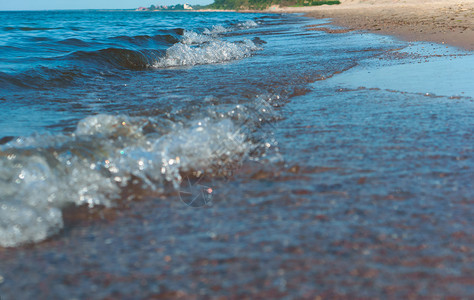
{"type": "Point", "coordinates": [68, 9]}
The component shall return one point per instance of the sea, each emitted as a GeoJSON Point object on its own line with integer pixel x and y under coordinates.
{"type": "Point", "coordinates": [223, 155]}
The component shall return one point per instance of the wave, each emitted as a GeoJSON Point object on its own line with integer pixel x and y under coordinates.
{"type": "Point", "coordinates": [168, 49]}
{"type": "Point", "coordinates": [208, 48]}
{"type": "Point", "coordinates": [216, 29]}
{"type": "Point", "coordinates": [81, 65]}
{"type": "Point", "coordinates": [167, 37]}
{"type": "Point", "coordinates": [144, 40]}
{"type": "Point", "coordinates": [41, 175]}
{"type": "Point", "coordinates": [194, 38]}
{"type": "Point", "coordinates": [42, 77]}
{"type": "Point", "coordinates": [26, 28]}
{"type": "Point", "coordinates": [247, 24]}
{"type": "Point", "coordinates": [119, 58]}
{"type": "Point", "coordinates": [215, 51]}
{"type": "Point", "coordinates": [74, 42]}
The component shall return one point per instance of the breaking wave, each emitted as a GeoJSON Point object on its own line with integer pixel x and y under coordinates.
{"type": "Point", "coordinates": [216, 29]}
{"type": "Point", "coordinates": [170, 48]}
{"type": "Point", "coordinates": [41, 175]}
{"type": "Point", "coordinates": [247, 24]}
{"type": "Point", "coordinates": [215, 51]}
{"type": "Point", "coordinates": [207, 48]}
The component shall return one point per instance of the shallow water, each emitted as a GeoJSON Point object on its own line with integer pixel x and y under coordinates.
{"type": "Point", "coordinates": [234, 155]}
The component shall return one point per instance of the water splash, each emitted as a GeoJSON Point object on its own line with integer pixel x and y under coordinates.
{"type": "Point", "coordinates": [216, 51]}
{"type": "Point", "coordinates": [42, 174]}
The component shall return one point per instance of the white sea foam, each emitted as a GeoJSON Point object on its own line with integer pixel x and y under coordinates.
{"type": "Point", "coordinates": [208, 35]}
{"type": "Point", "coordinates": [216, 29]}
{"type": "Point", "coordinates": [215, 51]}
{"type": "Point", "coordinates": [39, 177]}
{"type": "Point", "coordinates": [207, 48]}
{"type": "Point", "coordinates": [247, 24]}
{"type": "Point", "coordinates": [191, 38]}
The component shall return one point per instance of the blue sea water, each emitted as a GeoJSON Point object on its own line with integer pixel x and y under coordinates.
{"type": "Point", "coordinates": [191, 155]}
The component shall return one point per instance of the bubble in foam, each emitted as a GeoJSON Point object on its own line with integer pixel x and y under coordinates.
{"type": "Point", "coordinates": [247, 24]}
{"type": "Point", "coordinates": [205, 146]}
{"type": "Point", "coordinates": [39, 177]}
{"type": "Point", "coordinates": [213, 52]}
{"type": "Point", "coordinates": [216, 29]}
{"type": "Point", "coordinates": [21, 223]}
{"type": "Point", "coordinates": [191, 38]}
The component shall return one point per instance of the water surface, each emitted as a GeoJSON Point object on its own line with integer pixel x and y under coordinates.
{"type": "Point", "coordinates": [202, 155]}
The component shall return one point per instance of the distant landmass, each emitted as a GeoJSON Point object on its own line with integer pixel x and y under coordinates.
{"type": "Point", "coordinates": [263, 4]}
{"type": "Point", "coordinates": [170, 7]}
{"type": "Point", "coordinates": [240, 4]}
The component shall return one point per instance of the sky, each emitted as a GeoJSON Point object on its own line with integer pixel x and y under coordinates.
{"type": "Point", "coordinates": [88, 4]}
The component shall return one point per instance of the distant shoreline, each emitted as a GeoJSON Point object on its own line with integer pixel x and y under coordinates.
{"type": "Point", "coordinates": [445, 22]}
{"type": "Point", "coordinates": [440, 21]}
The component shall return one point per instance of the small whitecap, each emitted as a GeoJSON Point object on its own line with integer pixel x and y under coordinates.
{"type": "Point", "coordinates": [192, 38]}
{"type": "Point", "coordinates": [247, 24]}
{"type": "Point", "coordinates": [216, 51]}
{"type": "Point", "coordinates": [216, 29]}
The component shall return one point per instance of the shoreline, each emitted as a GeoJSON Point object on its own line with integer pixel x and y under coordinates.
{"type": "Point", "coordinates": [444, 22]}
{"type": "Point", "coordinates": [440, 21]}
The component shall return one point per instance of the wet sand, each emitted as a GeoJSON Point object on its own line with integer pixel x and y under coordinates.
{"type": "Point", "coordinates": [446, 22]}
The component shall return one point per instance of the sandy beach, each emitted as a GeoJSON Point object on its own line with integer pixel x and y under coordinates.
{"type": "Point", "coordinates": [449, 21]}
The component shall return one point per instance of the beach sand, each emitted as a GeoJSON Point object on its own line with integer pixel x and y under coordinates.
{"type": "Point", "coordinates": [448, 21]}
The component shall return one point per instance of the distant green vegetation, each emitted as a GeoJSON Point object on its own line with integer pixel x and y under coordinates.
{"type": "Point", "coordinates": [263, 4]}
{"type": "Point", "coordinates": [315, 2]}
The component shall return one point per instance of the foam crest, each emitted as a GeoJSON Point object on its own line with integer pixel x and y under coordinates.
{"type": "Point", "coordinates": [215, 51]}
{"type": "Point", "coordinates": [192, 38]}
{"type": "Point", "coordinates": [208, 35]}
{"type": "Point", "coordinates": [40, 176]}
{"type": "Point", "coordinates": [216, 29]}
{"type": "Point", "coordinates": [247, 24]}
{"type": "Point", "coordinates": [37, 184]}
{"type": "Point", "coordinates": [206, 147]}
